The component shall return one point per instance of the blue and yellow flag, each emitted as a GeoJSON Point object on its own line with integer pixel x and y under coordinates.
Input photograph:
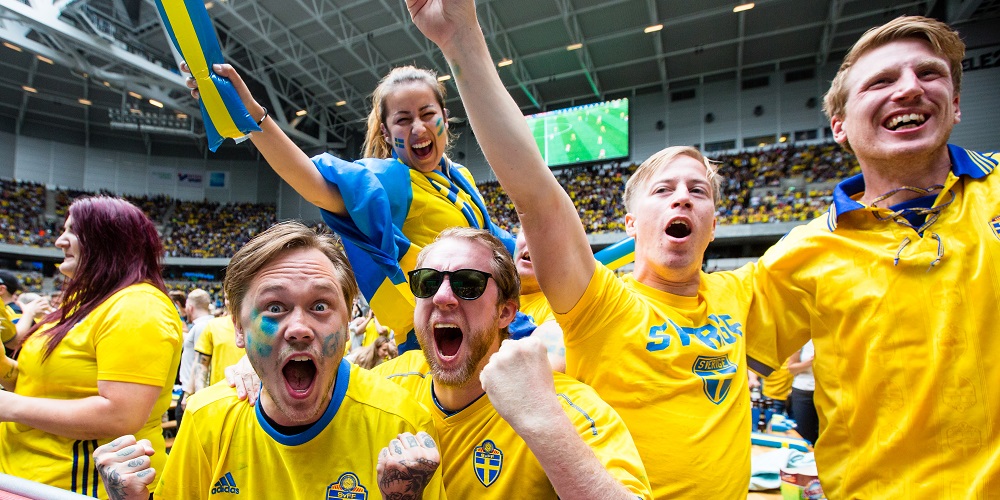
{"type": "Point", "coordinates": [190, 31]}
{"type": "Point", "coordinates": [618, 254]}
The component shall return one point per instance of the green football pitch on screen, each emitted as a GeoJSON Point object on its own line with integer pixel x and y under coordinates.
{"type": "Point", "coordinates": [582, 134]}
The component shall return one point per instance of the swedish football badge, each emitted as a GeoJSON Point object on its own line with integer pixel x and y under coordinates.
{"type": "Point", "coordinates": [995, 226]}
{"type": "Point", "coordinates": [487, 460]}
{"type": "Point", "coordinates": [716, 373]}
{"type": "Point", "coordinates": [347, 486]}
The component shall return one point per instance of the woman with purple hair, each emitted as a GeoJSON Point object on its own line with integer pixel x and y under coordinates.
{"type": "Point", "coordinates": [100, 366]}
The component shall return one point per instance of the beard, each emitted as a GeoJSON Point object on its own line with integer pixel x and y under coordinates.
{"type": "Point", "coordinates": [479, 344]}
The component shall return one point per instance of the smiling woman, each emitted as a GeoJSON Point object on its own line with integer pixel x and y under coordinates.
{"type": "Point", "coordinates": [389, 205]}
{"type": "Point", "coordinates": [101, 365]}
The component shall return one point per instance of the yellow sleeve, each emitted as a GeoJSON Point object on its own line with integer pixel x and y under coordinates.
{"type": "Point", "coordinates": [206, 341]}
{"type": "Point", "coordinates": [140, 324]}
{"type": "Point", "coordinates": [778, 322]}
{"type": "Point", "coordinates": [7, 328]}
{"type": "Point", "coordinates": [605, 433]}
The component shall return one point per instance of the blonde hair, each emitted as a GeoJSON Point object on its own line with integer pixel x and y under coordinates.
{"type": "Point", "coordinates": [375, 144]}
{"type": "Point", "coordinates": [662, 157]}
{"type": "Point", "coordinates": [199, 299]}
{"type": "Point", "coordinates": [271, 244]}
{"type": "Point", "coordinates": [943, 40]}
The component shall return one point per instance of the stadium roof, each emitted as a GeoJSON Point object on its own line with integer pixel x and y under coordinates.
{"type": "Point", "coordinates": [73, 66]}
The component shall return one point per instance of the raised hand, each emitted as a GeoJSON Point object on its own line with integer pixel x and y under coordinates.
{"type": "Point", "coordinates": [227, 71]}
{"type": "Point", "coordinates": [443, 21]}
{"type": "Point", "coordinates": [405, 466]}
{"type": "Point", "coordinates": [243, 377]}
{"type": "Point", "coordinates": [519, 382]}
{"type": "Point", "coordinates": [125, 468]}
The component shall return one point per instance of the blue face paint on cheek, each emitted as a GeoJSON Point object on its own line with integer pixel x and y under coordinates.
{"type": "Point", "coordinates": [263, 327]}
{"type": "Point", "coordinates": [399, 143]}
{"type": "Point", "coordinates": [440, 127]}
{"type": "Point", "coordinates": [268, 326]}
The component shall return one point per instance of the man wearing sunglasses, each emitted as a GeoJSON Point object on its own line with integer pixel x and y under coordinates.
{"type": "Point", "coordinates": [509, 427]}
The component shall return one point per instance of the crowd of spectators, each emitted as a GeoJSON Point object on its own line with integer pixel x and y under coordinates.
{"type": "Point", "coordinates": [22, 210]}
{"type": "Point", "coordinates": [207, 229]}
{"type": "Point", "coordinates": [755, 187]}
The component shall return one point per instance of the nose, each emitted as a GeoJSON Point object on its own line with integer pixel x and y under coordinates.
{"type": "Point", "coordinates": [62, 241]}
{"type": "Point", "coordinates": [445, 297]}
{"type": "Point", "coordinates": [298, 327]}
{"type": "Point", "coordinates": [681, 197]}
{"type": "Point", "coordinates": [908, 85]}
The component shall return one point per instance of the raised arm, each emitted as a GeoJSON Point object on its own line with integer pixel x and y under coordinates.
{"type": "Point", "coordinates": [563, 260]}
{"type": "Point", "coordinates": [281, 153]}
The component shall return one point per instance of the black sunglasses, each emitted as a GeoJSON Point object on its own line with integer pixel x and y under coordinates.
{"type": "Point", "coordinates": [468, 284]}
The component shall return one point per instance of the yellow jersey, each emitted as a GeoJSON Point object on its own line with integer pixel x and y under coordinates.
{"type": "Point", "coordinates": [218, 340]}
{"type": "Point", "coordinates": [226, 448]}
{"type": "Point", "coordinates": [903, 326]}
{"type": "Point", "coordinates": [674, 368]}
{"type": "Point", "coordinates": [134, 336]}
{"type": "Point", "coordinates": [483, 458]}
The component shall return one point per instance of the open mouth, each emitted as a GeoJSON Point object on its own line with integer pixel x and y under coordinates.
{"type": "Point", "coordinates": [300, 373]}
{"type": "Point", "coordinates": [678, 229]}
{"type": "Point", "coordinates": [448, 339]}
{"type": "Point", "coordinates": [525, 256]}
{"type": "Point", "coordinates": [423, 149]}
{"type": "Point", "coordinates": [903, 122]}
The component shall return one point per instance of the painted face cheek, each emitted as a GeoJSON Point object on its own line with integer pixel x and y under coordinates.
{"type": "Point", "coordinates": [401, 144]}
{"type": "Point", "coordinates": [259, 339]}
{"type": "Point", "coordinates": [440, 126]}
{"type": "Point", "coordinates": [332, 344]}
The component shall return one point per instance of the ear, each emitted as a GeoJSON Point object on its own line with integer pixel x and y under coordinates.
{"type": "Point", "coordinates": [385, 133]}
{"type": "Point", "coordinates": [715, 221]}
{"type": "Point", "coordinates": [240, 334]}
{"type": "Point", "coordinates": [630, 225]}
{"type": "Point", "coordinates": [507, 312]}
{"type": "Point", "coordinates": [447, 115]}
{"type": "Point", "coordinates": [837, 126]}
{"type": "Point", "coordinates": [958, 111]}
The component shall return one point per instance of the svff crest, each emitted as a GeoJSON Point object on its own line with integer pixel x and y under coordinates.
{"type": "Point", "coordinates": [487, 461]}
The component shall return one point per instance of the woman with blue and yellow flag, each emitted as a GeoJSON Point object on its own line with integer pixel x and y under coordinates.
{"type": "Point", "coordinates": [389, 205]}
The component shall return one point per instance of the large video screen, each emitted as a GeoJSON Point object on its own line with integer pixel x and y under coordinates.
{"type": "Point", "coordinates": [582, 134]}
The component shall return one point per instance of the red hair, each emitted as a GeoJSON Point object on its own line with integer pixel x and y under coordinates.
{"type": "Point", "coordinates": [119, 247]}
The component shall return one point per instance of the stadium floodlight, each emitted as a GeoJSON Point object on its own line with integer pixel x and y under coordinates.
{"type": "Point", "coordinates": [574, 46]}
{"type": "Point", "coordinates": [743, 7]}
{"type": "Point", "coordinates": [26, 88]}
{"type": "Point", "coordinates": [652, 29]}
{"type": "Point", "coordinates": [11, 46]}
{"type": "Point", "coordinates": [85, 102]}
{"type": "Point", "coordinates": [301, 112]}
{"type": "Point", "coordinates": [505, 62]}
{"type": "Point", "coordinates": [340, 103]}
{"type": "Point", "coordinates": [45, 59]}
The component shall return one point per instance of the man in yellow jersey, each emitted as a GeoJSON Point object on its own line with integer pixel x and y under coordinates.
{"type": "Point", "coordinates": [320, 423]}
{"type": "Point", "coordinates": [898, 285]}
{"type": "Point", "coordinates": [509, 426]}
{"type": "Point", "coordinates": [664, 347]}
{"type": "Point", "coordinates": [215, 349]}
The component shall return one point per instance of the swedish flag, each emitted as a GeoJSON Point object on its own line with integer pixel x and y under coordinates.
{"type": "Point", "coordinates": [618, 254]}
{"type": "Point", "coordinates": [190, 31]}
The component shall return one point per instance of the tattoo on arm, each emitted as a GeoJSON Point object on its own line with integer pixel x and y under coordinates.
{"type": "Point", "coordinates": [202, 374]}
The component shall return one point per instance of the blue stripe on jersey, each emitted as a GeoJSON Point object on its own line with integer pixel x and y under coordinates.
{"type": "Point", "coordinates": [593, 425]}
{"type": "Point", "coordinates": [339, 392]}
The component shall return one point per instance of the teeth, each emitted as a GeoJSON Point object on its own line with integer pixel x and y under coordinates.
{"type": "Point", "coordinates": [300, 358]}
{"type": "Point", "coordinates": [903, 119]}
{"type": "Point", "coordinates": [422, 144]}
{"type": "Point", "coordinates": [445, 325]}
{"type": "Point", "coordinates": [680, 222]}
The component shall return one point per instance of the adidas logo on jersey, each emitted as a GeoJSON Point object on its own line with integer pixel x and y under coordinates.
{"type": "Point", "coordinates": [226, 484]}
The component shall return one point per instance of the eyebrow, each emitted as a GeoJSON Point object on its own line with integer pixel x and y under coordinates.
{"type": "Point", "coordinates": [275, 288]}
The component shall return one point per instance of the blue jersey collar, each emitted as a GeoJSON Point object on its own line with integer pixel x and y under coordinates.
{"type": "Point", "coordinates": [339, 391]}
{"type": "Point", "coordinates": [963, 162]}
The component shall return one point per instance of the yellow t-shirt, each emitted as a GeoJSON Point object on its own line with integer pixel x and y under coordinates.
{"type": "Point", "coordinates": [483, 458]}
{"type": "Point", "coordinates": [778, 385]}
{"type": "Point", "coordinates": [218, 340]}
{"type": "Point", "coordinates": [7, 329]}
{"type": "Point", "coordinates": [905, 352]}
{"type": "Point", "coordinates": [226, 449]}
{"type": "Point", "coordinates": [675, 370]}
{"type": "Point", "coordinates": [134, 336]}
{"type": "Point", "coordinates": [536, 306]}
